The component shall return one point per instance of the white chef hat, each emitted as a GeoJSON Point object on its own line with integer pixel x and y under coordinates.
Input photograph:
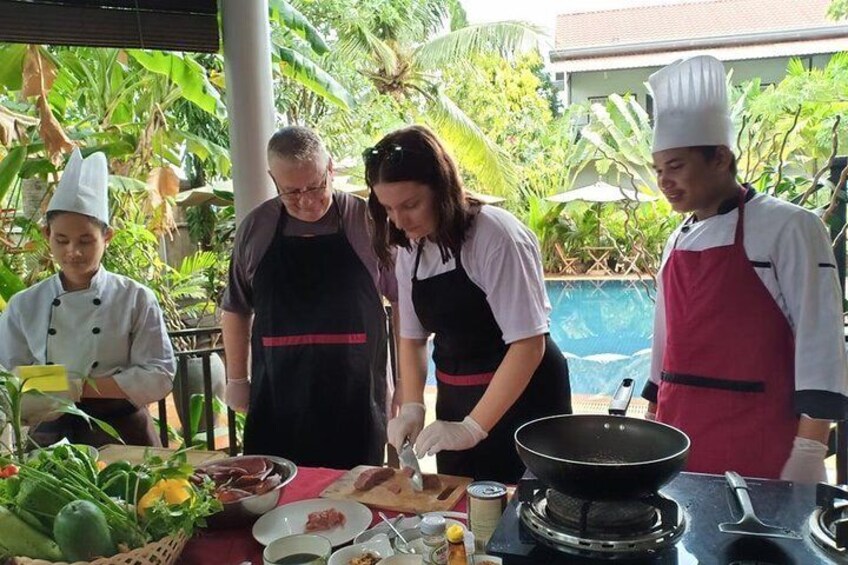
{"type": "Point", "coordinates": [690, 104]}
{"type": "Point", "coordinates": [83, 187]}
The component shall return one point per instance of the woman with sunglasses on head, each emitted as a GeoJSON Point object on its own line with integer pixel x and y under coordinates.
{"type": "Point", "coordinates": [471, 275]}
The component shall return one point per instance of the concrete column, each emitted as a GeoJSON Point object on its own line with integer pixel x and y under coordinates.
{"type": "Point", "coordinates": [250, 98]}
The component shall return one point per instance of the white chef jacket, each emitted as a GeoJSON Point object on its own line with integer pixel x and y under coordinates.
{"type": "Point", "coordinates": [791, 252]}
{"type": "Point", "coordinates": [121, 333]}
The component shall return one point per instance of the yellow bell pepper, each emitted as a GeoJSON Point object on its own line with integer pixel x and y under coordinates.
{"type": "Point", "coordinates": [173, 491]}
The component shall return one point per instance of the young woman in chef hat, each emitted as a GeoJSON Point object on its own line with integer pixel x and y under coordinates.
{"type": "Point", "coordinates": [107, 330]}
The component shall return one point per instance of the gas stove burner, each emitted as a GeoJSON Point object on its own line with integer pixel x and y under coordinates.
{"type": "Point", "coordinates": [610, 529]}
{"type": "Point", "coordinates": [601, 517]}
{"type": "Point", "coordinates": [829, 522]}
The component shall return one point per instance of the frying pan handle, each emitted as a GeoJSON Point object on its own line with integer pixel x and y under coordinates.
{"type": "Point", "coordinates": [621, 400]}
{"type": "Point", "coordinates": [740, 491]}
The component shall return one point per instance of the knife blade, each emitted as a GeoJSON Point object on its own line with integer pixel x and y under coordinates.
{"type": "Point", "coordinates": [408, 460]}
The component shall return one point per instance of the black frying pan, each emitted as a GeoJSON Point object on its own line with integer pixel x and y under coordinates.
{"type": "Point", "coordinates": [602, 457]}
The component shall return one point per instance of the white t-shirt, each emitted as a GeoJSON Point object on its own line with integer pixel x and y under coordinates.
{"type": "Point", "coordinates": [791, 253]}
{"type": "Point", "coordinates": [501, 256]}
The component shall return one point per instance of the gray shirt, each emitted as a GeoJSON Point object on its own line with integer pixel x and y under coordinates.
{"type": "Point", "coordinates": [254, 236]}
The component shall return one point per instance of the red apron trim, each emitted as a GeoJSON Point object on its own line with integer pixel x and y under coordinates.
{"type": "Point", "coordinates": [314, 339]}
{"type": "Point", "coordinates": [465, 380]}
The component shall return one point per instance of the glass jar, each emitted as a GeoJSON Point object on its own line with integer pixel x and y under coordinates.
{"type": "Point", "coordinates": [433, 535]}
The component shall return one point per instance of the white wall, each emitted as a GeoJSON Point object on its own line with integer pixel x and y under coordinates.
{"type": "Point", "coordinates": [584, 85]}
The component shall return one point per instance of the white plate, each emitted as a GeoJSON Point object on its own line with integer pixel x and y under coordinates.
{"type": "Point", "coordinates": [481, 558]}
{"type": "Point", "coordinates": [378, 545]}
{"type": "Point", "coordinates": [291, 519]}
{"type": "Point", "coordinates": [410, 522]}
{"type": "Point", "coordinates": [403, 560]}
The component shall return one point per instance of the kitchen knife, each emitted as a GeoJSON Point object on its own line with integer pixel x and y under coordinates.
{"type": "Point", "coordinates": [408, 460]}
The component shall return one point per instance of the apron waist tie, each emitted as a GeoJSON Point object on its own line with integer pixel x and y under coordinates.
{"type": "Point", "coordinates": [477, 379]}
{"type": "Point", "coordinates": [314, 339]}
{"type": "Point", "coordinates": [711, 382]}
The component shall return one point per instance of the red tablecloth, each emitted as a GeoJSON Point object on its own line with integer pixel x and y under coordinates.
{"type": "Point", "coordinates": [236, 547]}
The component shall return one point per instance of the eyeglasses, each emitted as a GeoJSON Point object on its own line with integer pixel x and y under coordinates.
{"type": "Point", "coordinates": [308, 192]}
{"type": "Point", "coordinates": [391, 153]}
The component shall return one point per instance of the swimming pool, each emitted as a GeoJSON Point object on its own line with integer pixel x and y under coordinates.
{"type": "Point", "coordinates": [604, 328]}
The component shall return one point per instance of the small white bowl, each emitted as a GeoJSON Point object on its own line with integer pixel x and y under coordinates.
{"type": "Point", "coordinates": [379, 545]}
{"type": "Point", "coordinates": [298, 543]}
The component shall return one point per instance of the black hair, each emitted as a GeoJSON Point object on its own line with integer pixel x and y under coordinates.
{"type": "Point", "coordinates": [415, 154]}
{"type": "Point", "coordinates": [709, 153]}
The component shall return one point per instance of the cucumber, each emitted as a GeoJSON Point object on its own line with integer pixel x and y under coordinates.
{"type": "Point", "coordinates": [82, 533]}
{"type": "Point", "coordinates": [40, 500]}
{"type": "Point", "coordinates": [19, 538]}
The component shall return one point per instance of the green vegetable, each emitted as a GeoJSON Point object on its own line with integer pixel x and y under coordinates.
{"type": "Point", "coordinates": [122, 480]}
{"type": "Point", "coordinates": [38, 498]}
{"type": "Point", "coordinates": [82, 533]}
{"type": "Point", "coordinates": [19, 538]}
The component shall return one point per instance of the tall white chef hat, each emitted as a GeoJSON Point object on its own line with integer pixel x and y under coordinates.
{"type": "Point", "coordinates": [83, 187]}
{"type": "Point", "coordinates": [690, 104]}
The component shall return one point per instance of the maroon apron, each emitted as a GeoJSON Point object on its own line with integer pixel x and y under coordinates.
{"type": "Point", "coordinates": [728, 377]}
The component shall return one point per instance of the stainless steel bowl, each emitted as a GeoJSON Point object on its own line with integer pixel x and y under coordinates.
{"type": "Point", "coordinates": [245, 511]}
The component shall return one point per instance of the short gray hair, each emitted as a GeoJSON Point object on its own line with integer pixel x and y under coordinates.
{"type": "Point", "coordinates": [298, 144]}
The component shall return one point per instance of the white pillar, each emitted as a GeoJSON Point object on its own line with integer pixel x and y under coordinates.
{"type": "Point", "coordinates": [250, 98]}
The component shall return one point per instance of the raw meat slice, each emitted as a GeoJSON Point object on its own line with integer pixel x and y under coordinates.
{"type": "Point", "coordinates": [324, 520]}
{"type": "Point", "coordinates": [373, 477]}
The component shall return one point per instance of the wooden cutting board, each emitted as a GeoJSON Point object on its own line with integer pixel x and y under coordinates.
{"type": "Point", "coordinates": [444, 497]}
{"type": "Point", "coordinates": [135, 454]}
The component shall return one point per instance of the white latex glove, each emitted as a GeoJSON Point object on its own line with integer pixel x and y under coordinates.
{"type": "Point", "coordinates": [237, 394]}
{"type": "Point", "coordinates": [449, 436]}
{"type": "Point", "coordinates": [806, 462]}
{"type": "Point", "coordinates": [408, 424]}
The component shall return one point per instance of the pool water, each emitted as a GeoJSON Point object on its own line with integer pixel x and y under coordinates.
{"type": "Point", "coordinates": [604, 328]}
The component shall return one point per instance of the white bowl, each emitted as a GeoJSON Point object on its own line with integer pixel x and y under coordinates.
{"type": "Point", "coordinates": [379, 545]}
{"type": "Point", "coordinates": [297, 544]}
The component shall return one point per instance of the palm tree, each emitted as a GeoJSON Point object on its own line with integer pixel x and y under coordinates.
{"type": "Point", "coordinates": [403, 53]}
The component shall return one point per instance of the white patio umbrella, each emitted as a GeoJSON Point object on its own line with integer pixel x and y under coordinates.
{"type": "Point", "coordinates": [598, 193]}
{"type": "Point", "coordinates": [601, 192]}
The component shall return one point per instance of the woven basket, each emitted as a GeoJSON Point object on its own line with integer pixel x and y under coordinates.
{"type": "Point", "coordinates": [162, 552]}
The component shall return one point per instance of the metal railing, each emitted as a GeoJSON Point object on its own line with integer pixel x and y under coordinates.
{"type": "Point", "coordinates": [183, 399]}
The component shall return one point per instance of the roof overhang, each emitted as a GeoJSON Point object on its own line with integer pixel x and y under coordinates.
{"type": "Point", "coordinates": [168, 25]}
{"type": "Point", "coordinates": [724, 53]}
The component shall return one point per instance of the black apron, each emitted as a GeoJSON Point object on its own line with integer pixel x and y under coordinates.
{"type": "Point", "coordinates": [133, 424]}
{"type": "Point", "coordinates": [318, 385]}
{"type": "Point", "coordinates": [468, 348]}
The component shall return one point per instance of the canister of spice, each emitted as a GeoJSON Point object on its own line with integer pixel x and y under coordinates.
{"type": "Point", "coordinates": [486, 505]}
{"type": "Point", "coordinates": [433, 535]}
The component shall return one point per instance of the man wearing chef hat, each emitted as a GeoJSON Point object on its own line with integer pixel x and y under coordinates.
{"type": "Point", "coordinates": [748, 351]}
{"type": "Point", "coordinates": [106, 329]}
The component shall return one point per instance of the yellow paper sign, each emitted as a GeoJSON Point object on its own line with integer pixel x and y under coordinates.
{"type": "Point", "coordinates": [46, 378]}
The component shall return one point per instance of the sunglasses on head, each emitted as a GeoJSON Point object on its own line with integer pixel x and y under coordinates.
{"type": "Point", "coordinates": [391, 153]}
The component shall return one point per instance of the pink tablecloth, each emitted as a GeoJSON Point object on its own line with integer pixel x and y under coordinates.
{"type": "Point", "coordinates": [236, 547]}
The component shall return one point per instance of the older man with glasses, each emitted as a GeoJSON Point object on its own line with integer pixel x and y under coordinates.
{"type": "Point", "coordinates": [303, 309]}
